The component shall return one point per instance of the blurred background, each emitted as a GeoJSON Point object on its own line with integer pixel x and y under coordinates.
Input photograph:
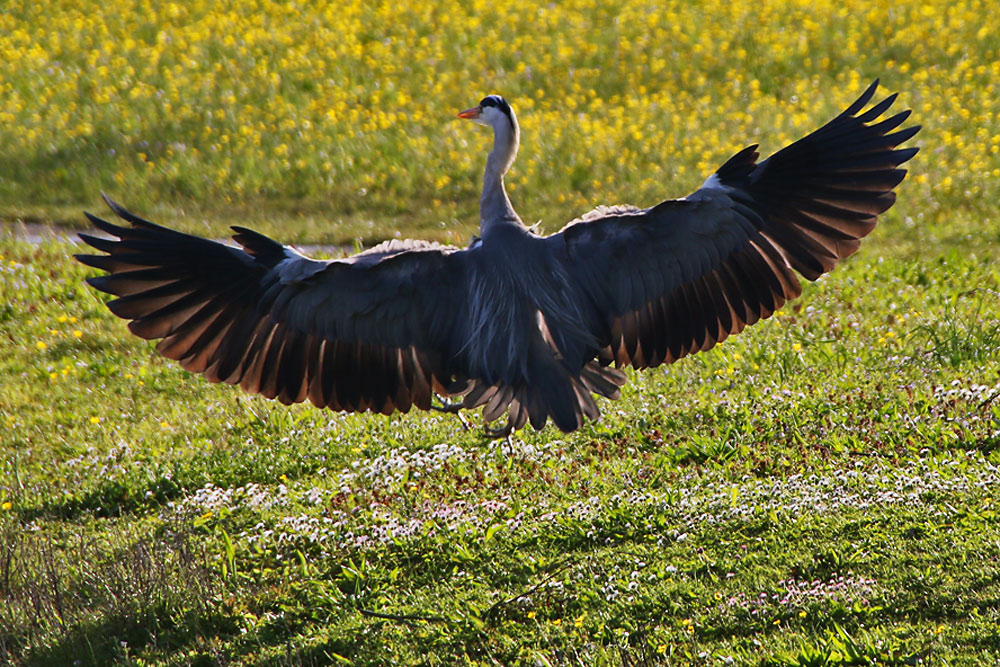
{"type": "Point", "coordinates": [335, 121]}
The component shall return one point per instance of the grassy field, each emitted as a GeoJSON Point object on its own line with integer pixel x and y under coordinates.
{"type": "Point", "coordinates": [820, 490]}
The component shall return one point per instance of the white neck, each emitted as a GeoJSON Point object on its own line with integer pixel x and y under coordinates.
{"type": "Point", "coordinates": [495, 206]}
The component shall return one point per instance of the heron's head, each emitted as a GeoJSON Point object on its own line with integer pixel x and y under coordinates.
{"type": "Point", "coordinates": [492, 110]}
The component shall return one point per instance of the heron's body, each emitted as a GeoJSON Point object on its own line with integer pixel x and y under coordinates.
{"type": "Point", "coordinates": [518, 323]}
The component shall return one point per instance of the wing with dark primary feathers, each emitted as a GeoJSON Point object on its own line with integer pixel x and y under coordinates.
{"type": "Point", "coordinates": [677, 278]}
{"type": "Point", "coordinates": [370, 332]}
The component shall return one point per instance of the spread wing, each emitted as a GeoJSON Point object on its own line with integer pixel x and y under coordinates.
{"type": "Point", "coordinates": [370, 332]}
{"type": "Point", "coordinates": [679, 277]}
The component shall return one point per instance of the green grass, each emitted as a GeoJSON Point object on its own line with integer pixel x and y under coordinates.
{"type": "Point", "coordinates": [818, 490]}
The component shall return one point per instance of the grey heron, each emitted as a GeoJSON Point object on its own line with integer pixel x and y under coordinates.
{"type": "Point", "coordinates": [523, 324]}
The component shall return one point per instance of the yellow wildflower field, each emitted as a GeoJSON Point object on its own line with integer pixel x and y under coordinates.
{"type": "Point", "coordinates": [344, 109]}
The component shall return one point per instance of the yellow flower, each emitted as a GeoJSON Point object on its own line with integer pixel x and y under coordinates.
{"type": "Point", "coordinates": [95, 420]}
{"type": "Point", "coordinates": [77, 333]}
{"type": "Point", "coordinates": [531, 614]}
{"type": "Point", "coordinates": [6, 505]}
{"type": "Point", "coordinates": [557, 621]}
{"type": "Point", "coordinates": [41, 345]}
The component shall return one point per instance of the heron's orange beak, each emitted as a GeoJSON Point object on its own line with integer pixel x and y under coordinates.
{"type": "Point", "coordinates": [474, 112]}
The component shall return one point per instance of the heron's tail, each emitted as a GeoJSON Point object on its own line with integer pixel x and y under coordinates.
{"type": "Point", "coordinates": [550, 390]}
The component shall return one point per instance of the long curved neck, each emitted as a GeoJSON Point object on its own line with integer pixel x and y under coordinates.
{"type": "Point", "coordinates": [495, 206]}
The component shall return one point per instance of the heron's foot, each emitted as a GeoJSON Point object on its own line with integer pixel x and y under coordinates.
{"type": "Point", "coordinates": [452, 407]}
{"type": "Point", "coordinates": [498, 433]}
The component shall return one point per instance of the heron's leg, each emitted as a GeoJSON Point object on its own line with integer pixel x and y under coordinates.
{"type": "Point", "coordinates": [452, 407]}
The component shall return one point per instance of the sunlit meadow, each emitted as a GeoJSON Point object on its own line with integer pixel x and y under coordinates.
{"type": "Point", "coordinates": [820, 490]}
